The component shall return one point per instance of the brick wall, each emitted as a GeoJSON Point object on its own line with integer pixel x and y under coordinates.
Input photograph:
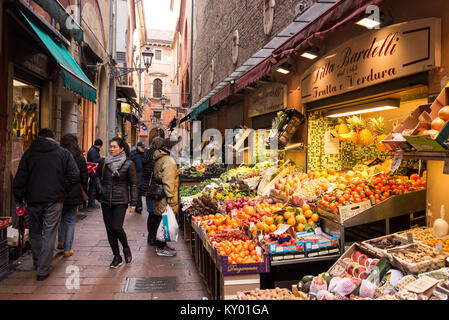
{"type": "Point", "coordinates": [215, 23]}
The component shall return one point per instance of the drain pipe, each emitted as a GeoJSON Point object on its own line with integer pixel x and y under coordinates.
{"type": "Point", "coordinates": [112, 88]}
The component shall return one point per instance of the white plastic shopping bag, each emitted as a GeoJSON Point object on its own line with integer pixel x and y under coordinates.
{"type": "Point", "coordinates": [168, 228]}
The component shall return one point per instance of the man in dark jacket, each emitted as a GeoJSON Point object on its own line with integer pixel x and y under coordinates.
{"type": "Point", "coordinates": [93, 155]}
{"type": "Point", "coordinates": [46, 174]}
{"type": "Point", "coordinates": [137, 157]}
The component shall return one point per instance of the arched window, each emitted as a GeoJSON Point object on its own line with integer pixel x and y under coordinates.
{"type": "Point", "coordinates": [157, 88]}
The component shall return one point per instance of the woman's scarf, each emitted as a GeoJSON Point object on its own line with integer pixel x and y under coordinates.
{"type": "Point", "coordinates": [115, 163]}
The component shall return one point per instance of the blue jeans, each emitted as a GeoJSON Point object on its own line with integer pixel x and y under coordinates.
{"type": "Point", "coordinates": [67, 226]}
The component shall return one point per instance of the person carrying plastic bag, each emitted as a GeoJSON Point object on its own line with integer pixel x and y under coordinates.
{"type": "Point", "coordinates": [168, 227]}
{"type": "Point", "coordinates": [165, 174]}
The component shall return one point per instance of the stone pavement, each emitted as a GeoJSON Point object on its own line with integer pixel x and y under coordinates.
{"type": "Point", "coordinates": [93, 256]}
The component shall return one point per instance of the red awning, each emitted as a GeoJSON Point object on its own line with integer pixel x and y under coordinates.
{"type": "Point", "coordinates": [225, 92]}
{"type": "Point", "coordinates": [257, 72]}
{"type": "Point", "coordinates": [337, 15]}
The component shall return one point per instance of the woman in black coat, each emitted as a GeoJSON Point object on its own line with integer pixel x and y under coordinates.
{"type": "Point", "coordinates": [117, 174]}
{"type": "Point", "coordinates": [75, 197]}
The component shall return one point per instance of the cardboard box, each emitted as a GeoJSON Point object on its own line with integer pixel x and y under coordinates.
{"type": "Point", "coordinates": [317, 240]}
{"type": "Point", "coordinates": [345, 212]}
{"type": "Point", "coordinates": [409, 123]}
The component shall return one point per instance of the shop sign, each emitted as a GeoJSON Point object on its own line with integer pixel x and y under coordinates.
{"type": "Point", "coordinates": [377, 56]}
{"type": "Point", "coordinates": [268, 98]}
{"type": "Point", "coordinates": [34, 61]}
{"type": "Point", "coordinates": [125, 108]}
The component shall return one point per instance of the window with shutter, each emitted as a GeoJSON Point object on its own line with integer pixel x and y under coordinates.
{"type": "Point", "coordinates": [157, 88]}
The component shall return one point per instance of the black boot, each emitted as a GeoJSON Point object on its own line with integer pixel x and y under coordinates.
{"type": "Point", "coordinates": [127, 253]}
{"type": "Point", "coordinates": [116, 262]}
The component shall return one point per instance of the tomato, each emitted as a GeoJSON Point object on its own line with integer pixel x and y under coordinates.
{"type": "Point", "coordinates": [358, 189]}
{"type": "Point", "coordinates": [383, 198]}
{"type": "Point", "coordinates": [377, 191]}
{"type": "Point", "coordinates": [333, 206]}
{"type": "Point", "coordinates": [379, 186]}
{"type": "Point", "coordinates": [368, 192]}
{"type": "Point", "coordinates": [386, 194]}
{"type": "Point", "coordinates": [357, 200]}
{"type": "Point", "coordinates": [347, 197]}
{"type": "Point", "coordinates": [378, 201]}
{"type": "Point", "coordinates": [414, 177]}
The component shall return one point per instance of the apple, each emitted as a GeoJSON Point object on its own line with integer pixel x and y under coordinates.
{"type": "Point", "coordinates": [362, 259]}
{"type": "Point", "coordinates": [350, 268]}
{"type": "Point", "coordinates": [374, 262]}
{"type": "Point", "coordinates": [356, 255]}
{"type": "Point", "coordinates": [363, 275]}
{"type": "Point", "coordinates": [358, 270]}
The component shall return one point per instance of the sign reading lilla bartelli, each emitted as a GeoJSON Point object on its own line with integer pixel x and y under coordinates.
{"type": "Point", "coordinates": [374, 57]}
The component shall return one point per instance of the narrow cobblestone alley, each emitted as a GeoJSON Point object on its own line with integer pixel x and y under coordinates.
{"type": "Point", "coordinates": [92, 257]}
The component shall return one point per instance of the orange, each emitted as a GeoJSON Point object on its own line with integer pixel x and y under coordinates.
{"type": "Point", "coordinates": [273, 227]}
{"type": "Point", "coordinates": [212, 232]}
{"type": "Point", "coordinates": [251, 246]}
{"type": "Point", "coordinates": [308, 213]}
{"type": "Point", "coordinates": [300, 218]}
{"type": "Point", "coordinates": [291, 221]}
{"type": "Point", "coordinates": [305, 207]}
{"type": "Point", "coordinates": [218, 215]}
{"type": "Point", "coordinates": [266, 228]}
{"type": "Point", "coordinates": [288, 215]}
{"type": "Point", "coordinates": [314, 217]}
{"type": "Point", "coordinates": [300, 227]}
{"type": "Point", "coordinates": [269, 220]}
{"type": "Point", "coordinates": [310, 221]}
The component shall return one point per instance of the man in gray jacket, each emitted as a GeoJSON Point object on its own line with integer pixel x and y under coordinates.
{"type": "Point", "coordinates": [46, 174]}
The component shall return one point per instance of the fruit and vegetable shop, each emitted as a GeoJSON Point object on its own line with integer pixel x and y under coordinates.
{"type": "Point", "coordinates": [353, 205]}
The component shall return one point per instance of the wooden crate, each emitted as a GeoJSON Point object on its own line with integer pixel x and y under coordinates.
{"type": "Point", "coordinates": [230, 285]}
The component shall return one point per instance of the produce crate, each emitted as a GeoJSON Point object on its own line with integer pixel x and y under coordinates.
{"type": "Point", "coordinates": [380, 251]}
{"type": "Point", "coordinates": [231, 285]}
{"type": "Point", "coordinates": [339, 266]}
{"type": "Point", "coordinates": [241, 268]}
{"type": "Point", "coordinates": [419, 234]}
{"type": "Point", "coordinates": [345, 212]}
{"type": "Point", "coordinates": [418, 267]}
{"type": "Point", "coordinates": [409, 123]}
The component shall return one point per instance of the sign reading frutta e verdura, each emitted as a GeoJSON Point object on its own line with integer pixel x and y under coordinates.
{"type": "Point", "coordinates": [374, 57]}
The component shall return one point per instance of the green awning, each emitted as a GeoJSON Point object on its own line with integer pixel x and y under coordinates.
{"type": "Point", "coordinates": [65, 20]}
{"type": "Point", "coordinates": [202, 107]}
{"type": "Point", "coordinates": [73, 78]}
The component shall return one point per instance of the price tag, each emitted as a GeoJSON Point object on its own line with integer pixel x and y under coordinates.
{"type": "Point", "coordinates": [410, 237]}
{"type": "Point", "coordinates": [446, 167]}
{"type": "Point", "coordinates": [251, 225]}
{"type": "Point", "coordinates": [259, 251]}
{"type": "Point", "coordinates": [282, 229]}
{"type": "Point", "coordinates": [396, 161]}
{"type": "Point", "coordinates": [439, 246]}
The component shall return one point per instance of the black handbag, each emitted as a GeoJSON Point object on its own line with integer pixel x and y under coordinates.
{"type": "Point", "coordinates": [98, 184]}
{"type": "Point", "coordinates": [155, 191]}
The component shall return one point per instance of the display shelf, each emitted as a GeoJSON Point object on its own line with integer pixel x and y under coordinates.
{"type": "Point", "coordinates": [419, 155]}
{"type": "Point", "coordinates": [304, 260]}
{"type": "Point", "coordinates": [392, 207]}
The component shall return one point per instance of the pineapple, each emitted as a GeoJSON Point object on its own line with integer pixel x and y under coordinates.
{"type": "Point", "coordinates": [356, 125]}
{"type": "Point", "coordinates": [378, 126]}
{"type": "Point", "coordinates": [342, 128]}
